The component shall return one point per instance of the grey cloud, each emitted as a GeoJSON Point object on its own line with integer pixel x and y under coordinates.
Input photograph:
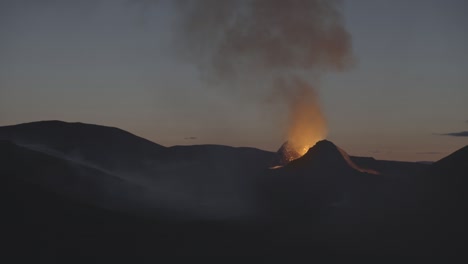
{"type": "Point", "coordinates": [456, 134]}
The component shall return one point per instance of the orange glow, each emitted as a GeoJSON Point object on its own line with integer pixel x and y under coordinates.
{"type": "Point", "coordinates": [307, 123]}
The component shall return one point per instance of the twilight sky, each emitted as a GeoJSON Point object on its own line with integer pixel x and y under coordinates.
{"type": "Point", "coordinates": [113, 63]}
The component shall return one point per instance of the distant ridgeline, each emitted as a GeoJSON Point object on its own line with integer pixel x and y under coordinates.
{"type": "Point", "coordinates": [73, 188]}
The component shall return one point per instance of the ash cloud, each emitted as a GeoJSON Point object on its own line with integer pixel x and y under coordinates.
{"type": "Point", "coordinates": [250, 46]}
{"type": "Point", "coordinates": [273, 35]}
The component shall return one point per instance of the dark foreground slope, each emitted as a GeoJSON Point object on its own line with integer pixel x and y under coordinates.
{"type": "Point", "coordinates": [323, 204]}
{"type": "Point", "coordinates": [41, 226]}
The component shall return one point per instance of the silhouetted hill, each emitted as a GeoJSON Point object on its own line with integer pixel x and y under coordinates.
{"type": "Point", "coordinates": [445, 200]}
{"type": "Point", "coordinates": [77, 189]}
{"type": "Point", "coordinates": [448, 179]}
{"type": "Point", "coordinates": [195, 179]}
{"type": "Point", "coordinates": [115, 150]}
{"type": "Point", "coordinates": [454, 164]}
{"type": "Point", "coordinates": [118, 151]}
{"type": "Point", "coordinates": [72, 180]}
{"type": "Point", "coordinates": [106, 147]}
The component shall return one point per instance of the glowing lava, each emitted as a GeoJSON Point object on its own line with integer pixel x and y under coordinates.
{"type": "Point", "coordinates": [307, 124]}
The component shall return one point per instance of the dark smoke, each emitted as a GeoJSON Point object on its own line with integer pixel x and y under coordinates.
{"type": "Point", "coordinates": [269, 35]}
{"type": "Point", "coordinates": [456, 134]}
{"type": "Point", "coordinates": [252, 46]}
{"type": "Point", "coordinates": [269, 42]}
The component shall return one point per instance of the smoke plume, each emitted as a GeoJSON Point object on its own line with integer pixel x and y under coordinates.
{"type": "Point", "coordinates": [283, 44]}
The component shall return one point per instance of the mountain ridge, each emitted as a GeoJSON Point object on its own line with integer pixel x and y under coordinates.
{"type": "Point", "coordinates": [323, 199]}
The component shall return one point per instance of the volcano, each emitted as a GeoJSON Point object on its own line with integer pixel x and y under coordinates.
{"type": "Point", "coordinates": [325, 177]}
{"type": "Point", "coordinates": [324, 157]}
{"type": "Point", "coordinates": [74, 175]}
{"type": "Point", "coordinates": [286, 153]}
